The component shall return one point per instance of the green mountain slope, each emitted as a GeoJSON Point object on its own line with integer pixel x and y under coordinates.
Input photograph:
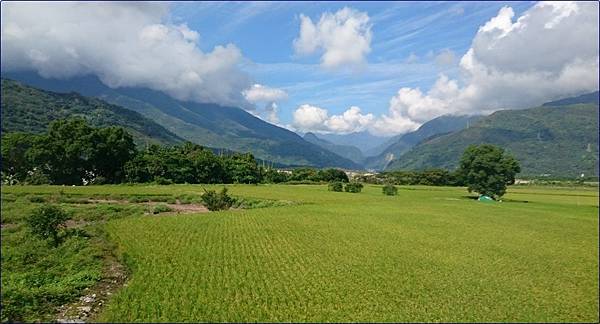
{"type": "Point", "coordinates": [350, 152]}
{"type": "Point", "coordinates": [403, 143]}
{"type": "Point", "coordinates": [559, 141]}
{"type": "Point", "coordinates": [205, 124]}
{"type": "Point", "coordinates": [28, 109]}
{"type": "Point", "coordinates": [584, 98]}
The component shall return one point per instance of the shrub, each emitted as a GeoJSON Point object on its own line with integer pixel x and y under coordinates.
{"type": "Point", "coordinates": [163, 181]}
{"type": "Point", "coordinates": [354, 187]}
{"type": "Point", "coordinates": [161, 208]}
{"type": "Point", "coordinates": [36, 199]}
{"type": "Point", "coordinates": [99, 180]}
{"type": "Point", "coordinates": [37, 177]}
{"type": "Point", "coordinates": [332, 175]}
{"type": "Point", "coordinates": [138, 199]}
{"type": "Point", "coordinates": [216, 201]}
{"type": "Point", "coordinates": [185, 199]}
{"type": "Point", "coordinates": [336, 186]}
{"type": "Point", "coordinates": [46, 221]}
{"type": "Point", "coordinates": [390, 190]}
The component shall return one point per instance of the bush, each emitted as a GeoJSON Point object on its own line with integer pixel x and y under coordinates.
{"type": "Point", "coordinates": [36, 199]}
{"type": "Point", "coordinates": [37, 177]}
{"type": "Point", "coordinates": [390, 190]}
{"type": "Point", "coordinates": [138, 199]}
{"type": "Point", "coordinates": [216, 201]}
{"type": "Point", "coordinates": [161, 208]}
{"type": "Point", "coordinates": [163, 181]}
{"type": "Point", "coordinates": [354, 187]}
{"type": "Point", "coordinates": [332, 175]}
{"type": "Point", "coordinates": [336, 186]}
{"type": "Point", "coordinates": [99, 180]}
{"type": "Point", "coordinates": [46, 221]}
{"type": "Point", "coordinates": [185, 199]}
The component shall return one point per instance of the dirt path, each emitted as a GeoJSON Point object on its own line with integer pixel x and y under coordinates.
{"type": "Point", "coordinates": [88, 307]}
{"type": "Point", "coordinates": [114, 274]}
{"type": "Point", "coordinates": [177, 208]}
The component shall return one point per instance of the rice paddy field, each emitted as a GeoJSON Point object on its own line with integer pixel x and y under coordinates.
{"type": "Point", "coordinates": [428, 254]}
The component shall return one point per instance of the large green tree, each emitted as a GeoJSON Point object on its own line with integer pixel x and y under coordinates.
{"type": "Point", "coordinates": [71, 152]}
{"type": "Point", "coordinates": [64, 153]}
{"type": "Point", "coordinates": [241, 168]}
{"type": "Point", "coordinates": [487, 170]}
{"type": "Point", "coordinates": [189, 163]}
{"type": "Point", "coordinates": [16, 162]}
{"type": "Point", "coordinates": [110, 148]}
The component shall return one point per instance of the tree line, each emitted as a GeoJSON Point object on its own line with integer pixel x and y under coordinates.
{"type": "Point", "coordinates": [73, 153]}
{"type": "Point", "coordinates": [430, 177]}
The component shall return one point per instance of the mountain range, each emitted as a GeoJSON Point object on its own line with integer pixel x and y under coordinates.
{"type": "Point", "coordinates": [206, 124]}
{"type": "Point", "coordinates": [558, 139]}
{"type": "Point", "coordinates": [27, 109]}
{"type": "Point", "coordinates": [350, 152]}
{"type": "Point", "coordinates": [366, 142]}
{"type": "Point", "coordinates": [403, 143]}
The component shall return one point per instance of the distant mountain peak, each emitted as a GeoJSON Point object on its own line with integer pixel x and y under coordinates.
{"type": "Point", "coordinates": [401, 144]}
{"type": "Point", "coordinates": [592, 97]}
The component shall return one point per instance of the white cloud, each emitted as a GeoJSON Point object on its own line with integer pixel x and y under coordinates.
{"type": "Point", "coordinates": [344, 38]}
{"type": "Point", "coordinates": [310, 118]}
{"type": "Point", "coordinates": [316, 119]}
{"type": "Point", "coordinates": [350, 121]}
{"type": "Point", "coordinates": [260, 93]}
{"type": "Point", "coordinates": [446, 57]}
{"type": "Point", "coordinates": [124, 44]}
{"type": "Point", "coordinates": [549, 52]}
{"type": "Point", "coordinates": [272, 113]}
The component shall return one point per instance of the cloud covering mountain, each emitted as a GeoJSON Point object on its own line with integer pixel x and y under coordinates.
{"type": "Point", "coordinates": [125, 44]}
{"type": "Point", "coordinates": [514, 60]}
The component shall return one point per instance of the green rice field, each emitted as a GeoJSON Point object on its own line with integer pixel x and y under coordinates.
{"type": "Point", "coordinates": [428, 254]}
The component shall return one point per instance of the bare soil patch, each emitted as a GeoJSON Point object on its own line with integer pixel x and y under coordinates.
{"type": "Point", "coordinates": [107, 201]}
{"type": "Point", "coordinates": [8, 225]}
{"type": "Point", "coordinates": [87, 308]}
{"type": "Point", "coordinates": [180, 208]}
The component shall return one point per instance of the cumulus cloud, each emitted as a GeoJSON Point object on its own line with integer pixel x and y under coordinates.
{"type": "Point", "coordinates": [352, 120]}
{"type": "Point", "coordinates": [316, 119]}
{"type": "Point", "coordinates": [260, 94]}
{"type": "Point", "coordinates": [310, 118]}
{"type": "Point", "coordinates": [549, 52]}
{"type": "Point", "coordinates": [124, 44]}
{"type": "Point", "coordinates": [343, 38]}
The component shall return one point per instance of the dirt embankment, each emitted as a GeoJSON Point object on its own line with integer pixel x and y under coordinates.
{"type": "Point", "coordinates": [87, 307]}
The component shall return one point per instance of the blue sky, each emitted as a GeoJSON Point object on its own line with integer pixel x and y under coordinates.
{"type": "Point", "coordinates": [265, 31]}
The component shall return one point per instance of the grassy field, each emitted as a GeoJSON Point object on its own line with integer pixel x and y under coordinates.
{"type": "Point", "coordinates": [428, 254]}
